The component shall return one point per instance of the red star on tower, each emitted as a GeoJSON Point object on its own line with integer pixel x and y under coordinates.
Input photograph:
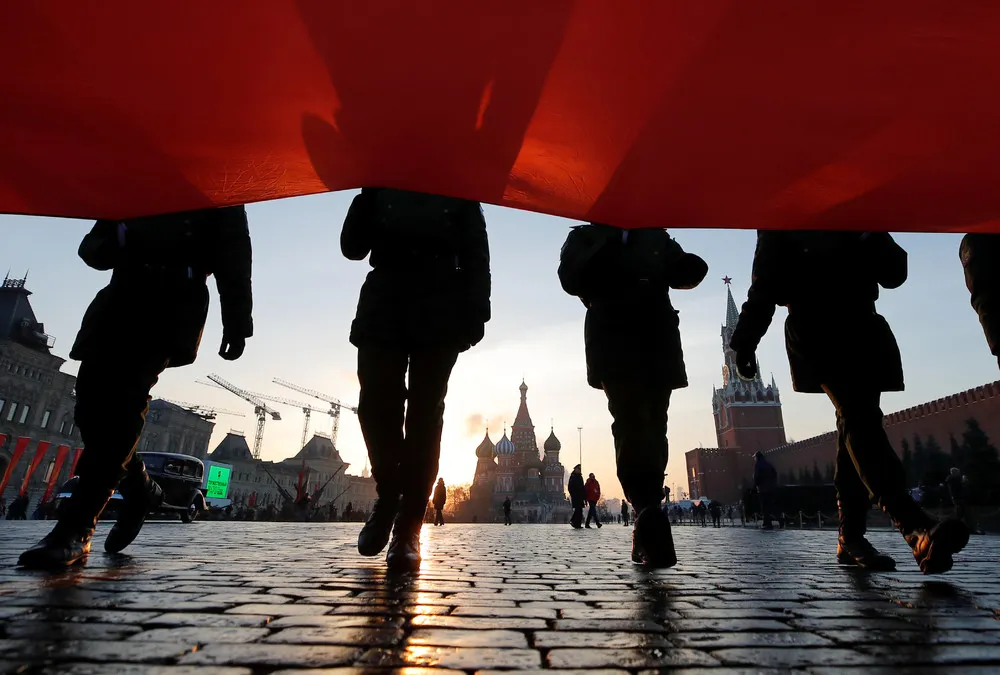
{"type": "Point", "coordinates": [727, 280]}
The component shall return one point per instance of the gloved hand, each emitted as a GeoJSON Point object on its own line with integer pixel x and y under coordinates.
{"type": "Point", "coordinates": [232, 347]}
{"type": "Point", "coordinates": [746, 364]}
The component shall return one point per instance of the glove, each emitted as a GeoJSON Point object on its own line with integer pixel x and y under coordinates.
{"type": "Point", "coordinates": [746, 364]}
{"type": "Point", "coordinates": [232, 347]}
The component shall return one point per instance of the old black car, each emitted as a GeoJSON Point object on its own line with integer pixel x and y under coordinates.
{"type": "Point", "coordinates": [180, 477]}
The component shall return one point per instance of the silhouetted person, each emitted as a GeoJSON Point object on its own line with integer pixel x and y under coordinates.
{"type": "Point", "coordinates": [148, 318]}
{"type": "Point", "coordinates": [633, 350]}
{"type": "Point", "coordinates": [506, 511]}
{"type": "Point", "coordinates": [765, 480]}
{"type": "Point", "coordinates": [440, 497]}
{"type": "Point", "coordinates": [592, 491]}
{"type": "Point", "coordinates": [715, 508]}
{"type": "Point", "coordinates": [348, 511]}
{"type": "Point", "coordinates": [958, 486]}
{"type": "Point", "coordinates": [980, 255]}
{"type": "Point", "coordinates": [18, 509]}
{"type": "Point", "coordinates": [577, 496]}
{"type": "Point", "coordinates": [426, 299]}
{"type": "Point", "coordinates": [839, 345]}
{"type": "Point", "coordinates": [624, 515]}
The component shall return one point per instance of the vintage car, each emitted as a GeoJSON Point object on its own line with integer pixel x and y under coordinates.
{"type": "Point", "coordinates": [110, 511]}
{"type": "Point", "coordinates": [180, 477]}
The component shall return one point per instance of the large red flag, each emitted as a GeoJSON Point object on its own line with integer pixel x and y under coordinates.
{"type": "Point", "coordinates": [61, 454]}
{"type": "Point", "coordinates": [76, 458]}
{"type": "Point", "coordinates": [647, 113]}
{"type": "Point", "coordinates": [19, 448]}
{"type": "Point", "coordinates": [35, 461]}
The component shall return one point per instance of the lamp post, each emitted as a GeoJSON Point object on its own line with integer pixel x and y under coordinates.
{"type": "Point", "coordinates": [580, 431]}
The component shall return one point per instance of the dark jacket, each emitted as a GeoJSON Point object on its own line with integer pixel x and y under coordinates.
{"type": "Point", "coordinates": [829, 281]}
{"type": "Point", "coordinates": [440, 496]}
{"type": "Point", "coordinates": [980, 254]}
{"type": "Point", "coordinates": [576, 491]}
{"type": "Point", "coordinates": [765, 477]}
{"type": "Point", "coordinates": [506, 505]}
{"type": "Point", "coordinates": [623, 278]}
{"type": "Point", "coordinates": [157, 300]}
{"type": "Point", "coordinates": [430, 281]}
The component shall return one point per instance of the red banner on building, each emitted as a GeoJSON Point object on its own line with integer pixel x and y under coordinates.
{"type": "Point", "coordinates": [19, 448]}
{"type": "Point", "coordinates": [61, 455]}
{"type": "Point", "coordinates": [76, 458]}
{"type": "Point", "coordinates": [39, 456]}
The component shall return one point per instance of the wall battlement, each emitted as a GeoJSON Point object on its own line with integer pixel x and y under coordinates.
{"type": "Point", "coordinates": [969, 397]}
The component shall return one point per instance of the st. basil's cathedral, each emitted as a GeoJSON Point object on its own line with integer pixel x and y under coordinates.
{"type": "Point", "coordinates": [512, 468]}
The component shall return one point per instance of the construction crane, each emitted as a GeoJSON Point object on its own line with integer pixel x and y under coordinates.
{"type": "Point", "coordinates": [306, 409]}
{"type": "Point", "coordinates": [335, 405]}
{"type": "Point", "coordinates": [203, 411]}
{"type": "Point", "coordinates": [260, 409]}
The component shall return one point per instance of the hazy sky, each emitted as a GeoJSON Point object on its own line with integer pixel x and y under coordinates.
{"type": "Point", "coordinates": [305, 294]}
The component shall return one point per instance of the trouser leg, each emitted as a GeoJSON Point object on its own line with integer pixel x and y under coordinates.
{"type": "Point", "coordinates": [640, 434]}
{"type": "Point", "coordinates": [381, 405]}
{"type": "Point", "coordinates": [853, 498]}
{"type": "Point", "coordinates": [871, 453]}
{"type": "Point", "coordinates": [428, 385]}
{"type": "Point", "coordinates": [981, 259]}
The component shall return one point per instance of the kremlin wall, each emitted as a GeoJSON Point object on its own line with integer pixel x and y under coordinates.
{"type": "Point", "coordinates": [748, 418]}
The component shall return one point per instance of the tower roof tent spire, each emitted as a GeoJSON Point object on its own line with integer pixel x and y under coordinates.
{"type": "Point", "coordinates": [732, 313]}
{"type": "Point", "coordinates": [523, 419]}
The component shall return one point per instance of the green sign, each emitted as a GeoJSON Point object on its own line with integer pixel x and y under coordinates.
{"type": "Point", "coordinates": [217, 486]}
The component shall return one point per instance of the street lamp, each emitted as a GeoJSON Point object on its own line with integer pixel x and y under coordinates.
{"type": "Point", "coordinates": [580, 430]}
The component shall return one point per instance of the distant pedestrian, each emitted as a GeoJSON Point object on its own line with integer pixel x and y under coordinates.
{"type": "Point", "coordinates": [348, 511]}
{"type": "Point", "coordinates": [715, 508]}
{"type": "Point", "coordinates": [440, 497]}
{"type": "Point", "coordinates": [765, 480]}
{"type": "Point", "coordinates": [625, 513]}
{"type": "Point", "coordinates": [577, 496]}
{"type": "Point", "coordinates": [592, 490]}
{"type": "Point", "coordinates": [506, 511]}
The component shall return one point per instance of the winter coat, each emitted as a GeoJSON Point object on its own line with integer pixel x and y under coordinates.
{"type": "Point", "coordinates": [765, 476]}
{"type": "Point", "coordinates": [506, 505]}
{"type": "Point", "coordinates": [430, 281]}
{"type": "Point", "coordinates": [980, 254]}
{"type": "Point", "coordinates": [829, 281]}
{"type": "Point", "coordinates": [157, 300]}
{"type": "Point", "coordinates": [624, 279]}
{"type": "Point", "coordinates": [440, 496]}
{"type": "Point", "coordinates": [576, 491]}
{"type": "Point", "coordinates": [592, 489]}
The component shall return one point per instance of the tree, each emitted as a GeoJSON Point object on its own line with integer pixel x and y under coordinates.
{"type": "Point", "coordinates": [938, 463]}
{"type": "Point", "coordinates": [980, 462]}
{"type": "Point", "coordinates": [817, 477]}
{"type": "Point", "coordinates": [804, 477]}
{"type": "Point", "coordinates": [919, 466]}
{"type": "Point", "coordinates": [457, 495]}
{"type": "Point", "coordinates": [831, 473]}
{"type": "Point", "coordinates": [906, 457]}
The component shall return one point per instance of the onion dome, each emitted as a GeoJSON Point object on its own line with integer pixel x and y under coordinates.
{"type": "Point", "coordinates": [533, 462]}
{"type": "Point", "coordinates": [552, 443]}
{"type": "Point", "coordinates": [505, 446]}
{"type": "Point", "coordinates": [485, 449]}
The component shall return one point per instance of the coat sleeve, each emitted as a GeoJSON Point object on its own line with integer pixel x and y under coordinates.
{"type": "Point", "coordinates": [887, 258]}
{"type": "Point", "coordinates": [233, 272]}
{"type": "Point", "coordinates": [357, 237]}
{"type": "Point", "coordinates": [980, 256]}
{"type": "Point", "coordinates": [684, 270]}
{"type": "Point", "coordinates": [579, 261]}
{"type": "Point", "coordinates": [474, 257]}
{"type": "Point", "coordinates": [758, 310]}
{"type": "Point", "coordinates": [100, 248]}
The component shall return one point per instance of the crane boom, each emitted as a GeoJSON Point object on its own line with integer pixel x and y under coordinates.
{"type": "Point", "coordinates": [261, 409]}
{"type": "Point", "coordinates": [335, 405]}
{"type": "Point", "coordinates": [307, 410]}
{"type": "Point", "coordinates": [203, 411]}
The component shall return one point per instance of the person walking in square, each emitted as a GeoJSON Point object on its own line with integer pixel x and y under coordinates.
{"type": "Point", "coordinates": [625, 513]}
{"type": "Point", "coordinates": [425, 301]}
{"type": "Point", "coordinates": [577, 496]}
{"type": "Point", "coordinates": [633, 351]}
{"type": "Point", "coordinates": [592, 491]}
{"type": "Point", "coordinates": [506, 511]}
{"type": "Point", "coordinates": [840, 346]}
{"type": "Point", "coordinates": [440, 497]}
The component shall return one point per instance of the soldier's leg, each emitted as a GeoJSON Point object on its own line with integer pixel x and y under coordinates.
{"type": "Point", "coordinates": [980, 254]}
{"type": "Point", "coordinates": [112, 399]}
{"type": "Point", "coordinates": [429, 373]}
{"type": "Point", "coordinates": [882, 474]}
{"type": "Point", "coordinates": [382, 376]}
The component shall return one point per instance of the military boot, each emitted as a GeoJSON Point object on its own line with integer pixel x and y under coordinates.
{"type": "Point", "coordinates": [140, 496]}
{"type": "Point", "coordinates": [404, 549]}
{"type": "Point", "coordinates": [852, 546]}
{"type": "Point", "coordinates": [68, 543]}
{"type": "Point", "coordinates": [652, 540]}
{"type": "Point", "coordinates": [933, 543]}
{"type": "Point", "coordinates": [375, 534]}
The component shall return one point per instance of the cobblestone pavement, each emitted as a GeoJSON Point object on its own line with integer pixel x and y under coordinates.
{"type": "Point", "coordinates": [249, 598]}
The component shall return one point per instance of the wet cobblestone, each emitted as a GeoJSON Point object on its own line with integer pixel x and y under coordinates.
{"type": "Point", "coordinates": [263, 598]}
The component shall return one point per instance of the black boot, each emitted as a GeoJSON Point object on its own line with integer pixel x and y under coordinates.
{"type": "Point", "coordinates": [68, 543]}
{"type": "Point", "coordinates": [140, 496]}
{"type": "Point", "coordinates": [404, 549]}
{"type": "Point", "coordinates": [652, 540]}
{"type": "Point", "coordinates": [852, 546]}
{"type": "Point", "coordinates": [375, 534]}
{"type": "Point", "coordinates": [933, 543]}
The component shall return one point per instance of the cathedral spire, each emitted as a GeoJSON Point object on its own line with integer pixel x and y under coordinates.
{"type": "Point", "coordinates": [523, 419]}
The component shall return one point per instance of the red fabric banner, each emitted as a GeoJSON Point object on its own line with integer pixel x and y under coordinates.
{"type": "Point", "coordinates": [35, 461]}
{"type": "Point", "coordinates": [19, 448]}
{"type": "Point", "coordinates": [61, 454]}
{"type": "Point", "coordinates": [647, 113]}
{"type": "Point", "coordinates": [76, 458]}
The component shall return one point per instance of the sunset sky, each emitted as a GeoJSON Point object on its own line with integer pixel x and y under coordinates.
{"type": "Point", "coordinates": [305, 294]}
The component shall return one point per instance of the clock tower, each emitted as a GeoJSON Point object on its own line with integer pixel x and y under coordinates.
{"type": "Point", "coordinates": [747, 412]}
